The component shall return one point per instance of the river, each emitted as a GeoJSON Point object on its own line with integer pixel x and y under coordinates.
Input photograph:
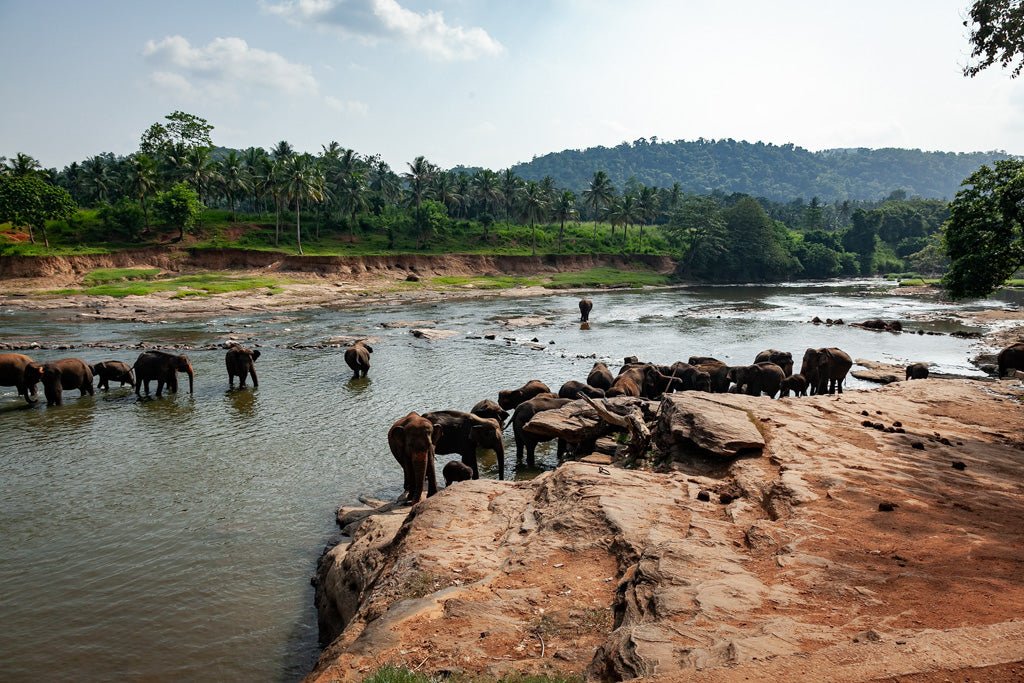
{"type": "Point", "coordinates": [174, 539]}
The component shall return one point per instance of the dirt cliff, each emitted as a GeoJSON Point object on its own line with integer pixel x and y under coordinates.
{"type": "Point", "coordinates": [846, 551]}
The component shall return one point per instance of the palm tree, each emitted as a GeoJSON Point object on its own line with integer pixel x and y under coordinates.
{"type": "Point", "coordinates": [648, 206]}
{"type": "Point", "coordinates": [97, 177]}
{"type": "Point", "coordinates": [534, 204]}
{"type": "Point", "coordinates": [303, 181]}
{"type": "Point", "coordinates": [384, 183]}
{"type": "Point", "coordinates": [487, 190]}
{"type": "Point", "coordinates": [257, 167]}
{"type": "Point", "coordinates": [598, 195]}
{"type": "Point", "coordinates": [282, 154]}
{"type": "Point", "coordinates": [234, 179]}
{"type": "Point", "coordinates": [22, 164]}
{"type": "Point", "coordinates": [443, 189]}
{"type": "Point", "coordinates": [565, 209]}
{"type": "Point", "coordinates": [511, 188]}
{"type": "Point", "coordinates": [352, 196]}
{"type": "Point", "coordinates": [142, 180]}
{"type": "Point", "coordinates": [420, 173]}
{"type": "Point", "coordinates": [199, 169]}
{"type": "Point", "coordinates": [624, 211]}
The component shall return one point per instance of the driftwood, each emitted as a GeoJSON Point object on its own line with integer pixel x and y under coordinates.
{"type": "Point", "coordinates": [632, 421]}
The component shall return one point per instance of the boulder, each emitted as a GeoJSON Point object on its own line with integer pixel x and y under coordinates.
{"type": "Point", "coordinates": [577, 422]}
{"type": "Point", "coordinates": [715, 423]}
{"type": "Point", "coordinates": [432, 335]}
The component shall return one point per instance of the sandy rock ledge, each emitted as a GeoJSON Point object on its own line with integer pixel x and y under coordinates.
{"type": "Point", "coordinates": [789, 571]}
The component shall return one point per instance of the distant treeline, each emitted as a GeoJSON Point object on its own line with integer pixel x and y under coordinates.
{"type": "Point", "coordinates": [779, 172]}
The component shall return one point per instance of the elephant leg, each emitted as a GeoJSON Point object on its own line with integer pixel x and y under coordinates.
{"type": "Point", "coordinates": [255, 381]}
{"type": "Point", "coordinates": [159, 387]}
{"type": "Point", "coordinates": [560, 449]}
{"type": "Point", "coordinates": [469, 460]}
{"type": "Point", "coordinates": [531, 447]}
{"type": "Point", "coordinates": [431, 476]}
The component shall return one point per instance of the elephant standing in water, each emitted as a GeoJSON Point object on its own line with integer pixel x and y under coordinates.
{"type": "Point", "coordinates": [112, 370]}
{"type": "Point", "coordinates": [66, 373]}
{"type": "Point", "coordinates": [825, 369]}
{"type": "Point", "coordinates": [412, 440]}
{"type": "Point", "coordinates": [464, 433]}
{"type": "Point", "coordinates": [241, 362]}
{"type": "Point", "coordinates": [1011, 358]}
{"type": "Point", "coordinates": [586, 305]}
{"type": "Point", "coordinates": [163, 367]}
{"type": "Point", "coordinates": [357, 357]}
{"type": "Point", "coordinates": [523, 414]}
{"type": "Point", "coordinates": [12, 374]}
{"type": "Point", "coordinates": [510, 398]}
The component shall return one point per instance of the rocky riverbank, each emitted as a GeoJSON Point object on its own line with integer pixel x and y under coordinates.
{"type": "Point", "coordinates": [836, 551]}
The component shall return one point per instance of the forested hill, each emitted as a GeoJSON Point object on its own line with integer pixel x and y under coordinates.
{"type": "Point", "coordinates": [778, 172]}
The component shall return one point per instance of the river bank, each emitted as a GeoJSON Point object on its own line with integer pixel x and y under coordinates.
{"type": "Point", "coordinates": [841, 552]}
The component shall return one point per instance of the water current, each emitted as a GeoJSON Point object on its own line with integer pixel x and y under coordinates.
{"type": "Point", "coordinates": [174, 538]}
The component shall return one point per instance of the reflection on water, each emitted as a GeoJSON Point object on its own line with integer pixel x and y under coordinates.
{"type": "Point", "coordinates": [173, 538]}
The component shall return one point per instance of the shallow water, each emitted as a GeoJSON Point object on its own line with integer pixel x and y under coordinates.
{"type": "Point", "coordinates": [174, 539]}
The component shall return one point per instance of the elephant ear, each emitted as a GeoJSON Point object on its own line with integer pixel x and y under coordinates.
{"type": "Point", "coordinates": [255, 354]}
{"type": "Point", "coordinates": [435, 434]}
{"type": "Point", "coordinates": [483, 433]}
{"type": "Point", "coordinates": [369, 349]}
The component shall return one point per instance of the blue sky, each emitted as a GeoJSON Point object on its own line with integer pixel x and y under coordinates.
{"type": "Point", "coordinates": [492, 83]}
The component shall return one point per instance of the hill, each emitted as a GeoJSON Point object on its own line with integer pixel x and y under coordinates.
{"type": "Point", "coordinates": [779, 172]}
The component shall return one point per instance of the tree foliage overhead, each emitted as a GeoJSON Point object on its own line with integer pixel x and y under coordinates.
{"type": "Point", "coordinates": [778, 172]}
{"type": "Point", "coordinates": [997, 35]}
{"type": "Point", "coordinates": [985, 234]}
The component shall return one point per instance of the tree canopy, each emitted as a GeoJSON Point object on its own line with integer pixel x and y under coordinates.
{"type": "Point", "coordinates": [985, 235]}
{"type": "Point", "coordinates": [28, 200]}
{"type": "Point", "coordinates": [997, 35]}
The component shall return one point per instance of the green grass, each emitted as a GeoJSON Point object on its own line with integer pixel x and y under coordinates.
{"type": "Point", "coordinates": [102, 276]}
{"type": "Point", "coordinates": [486, 281]}
{"type": "Point", "coordinates": [608, 277]}
{"type": "Point", "coordinates": [919, 281]}
{"type": "Point", "coordinates": [183, 286]}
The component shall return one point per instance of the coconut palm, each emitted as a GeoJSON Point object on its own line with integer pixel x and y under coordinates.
{"type": "Point", "coordinates": [303, 182]}
{"type": "Point", "coordinates": [384, 183]}
{"type": "Point", "coordinates": [258, 167]}
{"type": "Point", "coordinates": [282, 154]}
{"type": "Point", "coordinates": [22, 164]}
{"type": "Point", "coordinates": [534, 205]}
{"type": "Point", "coordinates": [598, 195]}
{"type": "Point", "coordinates": [351, 195]}
{"type": "Point", "coordinates": [487, 190]}
{"type": "Point", "coordinates": [624, 211]}
{"type": "Point", "coordinates": [443, 190]}
{"type": "Point", "coordinates": [564, 210]}
{"type": "Point", "coordinates": [199, 169]}
{"type": "Point", "coordinates": [97, 178]}
{"type": "Point", "coordinates": [142, 180]}
{"type": "Point", "coordinates": [418, 179]}
{"type": "Point", "coordinates": [233, 177]}
{"type": "Point", "coordinates": [511, 189]}
{"type": "Point", "coordinates": [648, 206]}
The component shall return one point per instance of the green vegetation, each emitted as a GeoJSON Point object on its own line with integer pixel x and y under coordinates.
{"type": "Point", "coordinates": [985, 235]}
{"type": "Point", "coordinates": [123, 282]}
{"type": "Point", "coordinates": [609, 277]}
{"type": "Point", "coordinates": [339, 203]}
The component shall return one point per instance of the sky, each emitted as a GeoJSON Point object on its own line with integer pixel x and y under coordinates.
{"type": "Point", "coordinates": [495, 82]}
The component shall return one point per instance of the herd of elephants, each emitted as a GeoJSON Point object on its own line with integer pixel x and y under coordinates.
{"type": "Point", "coordinates": [415, 439]}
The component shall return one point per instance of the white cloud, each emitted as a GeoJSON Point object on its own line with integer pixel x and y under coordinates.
{"type": "Point", "coordinates": [224, 66]}
{"type": "Point", "coordinates": [347, 106]}
{"type": "Point", "coordinates": [374, 20]}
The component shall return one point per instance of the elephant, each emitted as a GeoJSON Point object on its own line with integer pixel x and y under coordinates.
{"type": "Point", "coordinates": [663, 379]}
{"type": "Point", "coordinates": [489, 409]}
{"type": "Point", "coordinates": [510, 398]}
{"type": "Point", "coordinates": [917, 371]}
{"type": "Point", "coordinates": [12, 374]}
{"type": "Point", "coordinates": [600, 377]}
{"type": "Point", "coordinates": [795, 383]}
{"type": "Point", "coordinates": [112, 370]}
{"type": "Point", "coordinates": [1011, 358]}
{"type": "Point", "coordinates": [783, 359]}
{"type": "Point", "coordinates": [717, 371]}
{"type": "Point", "coordinates": [882, 325]}
{"type": "Point", "coordinates": [766, 377]}
{"type": "Point", "coordinates": [66, 373]}
{"type": "Point", "coordinates": [630, 381]}
{"type": "Point", "coordinates": [455, 471]}
{"type": "Point", "coordinates": [585, 307]}
{"type": "Point", "coordinates": [523, 414]}
{"type": "Point", "coordinates": [464, 433]}
{"type": "Point", "coordinates": [241, 362]}
{"type": "Point", "coordinates": [357, 357]}
{"type": "Point", "coordinates": [163, 367]}
{"type": "Point", "coordinates": [825, 369]}
{"type": "Point", "coordinates": [574, 390]}
{"type": "Point", "coordinates": [413, 440]}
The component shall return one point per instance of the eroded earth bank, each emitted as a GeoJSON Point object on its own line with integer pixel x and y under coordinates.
{"type": "Point", "coordinates": [842, 549]}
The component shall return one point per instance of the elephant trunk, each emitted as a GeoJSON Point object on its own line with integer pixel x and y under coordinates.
{"type": "Point", "coordinates": [500, 451]}
{"type": "Point", "coordinates": [191, 376]}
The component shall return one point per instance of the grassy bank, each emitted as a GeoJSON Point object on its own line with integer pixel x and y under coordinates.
{"type": "Point", "coordinates": [121, 282]}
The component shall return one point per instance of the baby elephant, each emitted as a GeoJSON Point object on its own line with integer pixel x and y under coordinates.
{"type": "Point", "coordinates": [917, 371]}
{"type": "Point", "coordinates": [113, 370]}
{"type": "Point", "coordinates": [456, 471]}
{"type": "Point", "coordinates": [358, 358]}
{"type": "Point", "coordinates": [795, 383]}
{"type": "Point", "coordinates": [241, 363]}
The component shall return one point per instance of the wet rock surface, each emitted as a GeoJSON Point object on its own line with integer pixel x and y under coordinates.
{"type": "Point", "coordinates": [780, 567]}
